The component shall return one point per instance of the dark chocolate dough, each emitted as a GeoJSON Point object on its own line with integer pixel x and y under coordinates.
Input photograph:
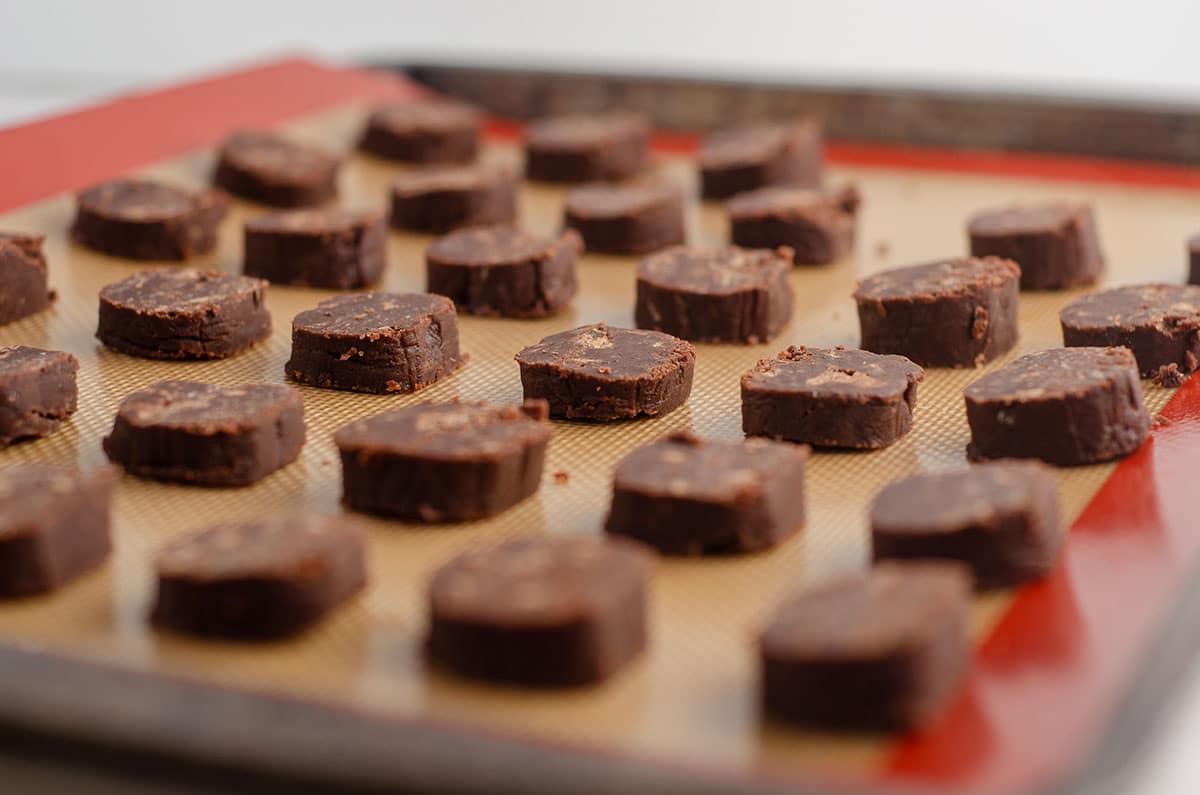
{"type": "Point", "coordinates": [23, 277]}
{"type": "Point", "coordinates": [270, 169]}
{"type": "Point", "coordinates": [1160, 323]}
{"type": "Point", "coordinates": [831, 397]}
{"type": "Point", "coordinates": [587, 148]}
{"type": "Point", "coordinates": [443, 198]}
{"type": "Point", "coordinates": [1000, 518]}
{"type": "Point", "coordinates": [1066, 406]}
{"type": "Point", "coordinates": [443, 462]}
{"type": "Point", "coordinates": [146, 220]}
{"type": "Point", "coordinates": [882, 651]}
{"type": "Point", "coordinates": [688, 496]}
{"type": "Point", "coordinates": [259, 579]}
{"type": "Point", "coordinates": [183, 314]}
{"type": "Point", "coordinates": [950, 313]}
{"type": "Point", "coordinates": [37, 392]}
{"type": "Point", "coordinates": [633, 218]}
{"type": "Point", "coordinates": [425, 131]}
{"type": "Point", "coordinates": [207, 435]}
{"type": "Point", "coordinates": [1193, 246]}
{"type": "Point", "coordinates": [502, 271]}
{"type": "Point", "coordinates": [54, 526]}
{"type": "Point", "coordinates": [553, 611]}
{"type": "Point", "coordinates": [817, 225]}
{"type": "Point", "coordinates": [334, 248]}
{"type": "Point", "coordinates": [602, 373]}
{"type": "Point", "coordinates": [744, 158]}
{"type": "Point", "coordinates": [376, 342]}
{"type": "Point", "coordinates": [724, 294]}
{"type": "Point", "coordinates": [1055, 245]}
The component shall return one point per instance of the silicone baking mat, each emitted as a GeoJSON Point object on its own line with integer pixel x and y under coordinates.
{"type": "Point", "coordinates": [1046, 677]}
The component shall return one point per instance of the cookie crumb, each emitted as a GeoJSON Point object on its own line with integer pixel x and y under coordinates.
{"type": "Point", "coordinates": [1161, 422]}
{"type": "Point", "coordinates": [561, 477]}
{"type": "Point", "coordinates": [882, 249]}
{"type": "Point", "coordinates": [1169, 376]}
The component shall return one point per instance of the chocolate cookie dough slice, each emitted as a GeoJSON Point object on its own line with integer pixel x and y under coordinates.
{"type": "Point", "coordinates": [503, 272]}
{"type": "Point", "coordinates": [37, 392]}
{"type": "Point", "coordinates": [259, 579]}
{"type": "Point", "coordinates": [541, 612]}
{"type": "Point", "coordinates": [818, 226]}
{"type": "Point", "coordinates": [1055, 244]}
{"type": "Point", "coordinates": [54, 526]}
{"type": "Point", "coordinates": [879, 652]}
{"type": "Point", "coordinates": [600, 373]}
{"type": "Point", "coordinates": [439, 199]}
{"type": "Point", "coordinates": [740, 159]}
{"type": "Point", "coordinates": [23, 277]}
{"type": "Point", "coordinates": [146, 220]}
{"type": "Point", "coordinates": [427, 131]}
{"type": "Point", "coordinates": [587, 148]}
{"type": "Point", "coordinates": [334, 248]}
{"type": "Point", "coordinates": [634, 218]}
{"type": "Point", "coordinates": [207, 435]}
{"type": "Point", "coordinates": [447, 462]}
{"type": "Point", "coordinates": [1066, 406]}
{"type": "Point", "coordinates": [270, 169]}
{"type": "Point", "coordinates": [1193, 249]}
{"type": "Point", "coordinates": [951, 313]}
{"type": "Point", "coordinates": [688, 496]}
{"type": "Point", "coordinates": [1160, 323]}
{"type": "Point", "coordinates": [376, 342]}
{"type": "Point", "coordinates": [831, 397]}
{"type": "Point", "coordinates": [725, 294]}
{"type": "Point", "coordinates": [999, 518]}
{"type": "Point", "coordinates": [183, 314]}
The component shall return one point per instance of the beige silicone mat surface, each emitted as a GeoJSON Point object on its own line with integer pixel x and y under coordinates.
{"type": "Point", "coordinates": [692, 696]}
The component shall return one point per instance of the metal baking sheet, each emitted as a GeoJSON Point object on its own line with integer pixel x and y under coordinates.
{"type": "Point", "coordinates": [691, 700]}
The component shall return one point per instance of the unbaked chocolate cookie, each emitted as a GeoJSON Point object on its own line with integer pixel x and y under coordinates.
{"type": "Point", "coordinates": [146, 220]}
{"type": "Point", "coordinates": [183, 314]}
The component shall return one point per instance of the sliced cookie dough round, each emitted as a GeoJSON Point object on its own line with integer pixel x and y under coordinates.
{"type": "Point", "coordinates": [587, 148]}
{"type": "Point", "coordinates": [259, 579]}
{"type": "Point", "coordinates": [1066, 406]}
{"type": "Point", "coordinates": [54, 526]}
{"type": "Point", "coordinates": [951, 313]}
{"type": "Point", "coordinates": [327, 247]}
{"type": "Point", "coordinates": [426, 131]}
{"type": "Point", "coordinates": [1055, 244]}
{"type": "Point", "coordinates": [376, 342]}
{"type": "Point", "coordinates": [207, 435]}
{"type": "Point", "coordinates": [23, 277]}
{"type": "Point", "coordinates": [443, 462]}
{"type": "Point", "coordinates": [831, 397]}
{"type": "Point", "coordinates": [601, 373]}
{"type": "Point", "coordinates": [881, 651]}
{"type": "Point", "coordinates": [502, 271]}
{"type": "Point", "coordinates": [819, 226]}
{"type": "Point", "coordinates": [553, 611]}
{"type": "Point", "coordinates": [146, 220]}
{"type": "Point", "coordinates": [1160, 323]}
{"type": "Point", "coordinates": [1001, 518]}
{"type": "Point", "coordinates": [439, 199]}
{"type": "Point", "coordinates": [684, 495]}
{"type": "Point", "coordinates": [739, 159]}
{"type": "Point", "coordinates": [631, 218]}
{"type": "Point", "coordinates": [37, 392]}
{"type": "Point", "coordinates": [272, 170]}
{"type": "Point", "coordinates": [183, 314]}
{"type": "Point", "coordinates": [727, 294]}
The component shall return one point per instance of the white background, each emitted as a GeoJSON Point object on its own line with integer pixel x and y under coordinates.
{"type": "Point", "coordinates": [56, 54]}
